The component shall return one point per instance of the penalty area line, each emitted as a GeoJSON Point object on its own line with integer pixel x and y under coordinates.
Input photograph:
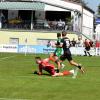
{"type": "Point", "coordinates": [1, 59]}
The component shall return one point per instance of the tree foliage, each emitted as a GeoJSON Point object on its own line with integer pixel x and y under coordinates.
{"type": "Point", "coordinates": [99, 9]}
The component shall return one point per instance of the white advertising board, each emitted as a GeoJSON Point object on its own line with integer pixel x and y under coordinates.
{"type": "Point", "coordinates": [8, 48]}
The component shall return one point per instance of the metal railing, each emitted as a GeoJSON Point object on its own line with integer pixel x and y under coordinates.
{"type": "Point", "coordinates": [37, 25]}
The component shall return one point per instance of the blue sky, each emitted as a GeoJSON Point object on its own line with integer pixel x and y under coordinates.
{"type": "Point", "coordinates": [93, 4]}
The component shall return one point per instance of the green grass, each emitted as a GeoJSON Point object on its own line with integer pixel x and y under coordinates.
{"type": "Point", "coordinates": [18, 82]}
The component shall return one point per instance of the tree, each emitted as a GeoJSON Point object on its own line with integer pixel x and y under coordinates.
{"type": "Point", "coordinates": [99, 9]}
{"type": "Point", "coordinates": [84, 3]}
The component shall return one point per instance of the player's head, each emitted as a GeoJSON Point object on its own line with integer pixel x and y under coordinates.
{"type": "Point", "coordinates": [38, 60]}
{"type": "Point", "coordinates": [58, 35]}
{"type": "Point", "coordinates": [64, 33]}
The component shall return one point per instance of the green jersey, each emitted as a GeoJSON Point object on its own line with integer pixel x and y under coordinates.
{"type": "Point", "coordinates": [58, 50]}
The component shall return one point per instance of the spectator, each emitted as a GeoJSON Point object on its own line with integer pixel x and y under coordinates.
{"type": "Point", "coordinates": [54, 23]}
{"type": "Point", "coordinates": [49, 43]}
{"type": "Point", "coordinates": [87, 48]}
{"type": "Point", "coordinates": [80, 42]}
{"type": "Point", "coordinates": [60, 24]}
{"type": "Point", "coordinates": [91, 43]}
{"type": "Point", "coordinates": [66, 27]}
{"type": "Point", "coordinates": [73, 42]}
{"type": "Point", "coordinates": [97, 45]}
{"type": "Point", "coordinates": [46, 25]}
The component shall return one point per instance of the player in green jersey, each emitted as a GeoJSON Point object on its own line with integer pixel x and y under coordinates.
{"type": "Point", "coordinates": [57, 53]}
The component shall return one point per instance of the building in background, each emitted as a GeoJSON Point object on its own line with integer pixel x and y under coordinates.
{"type": "Point", "coordinates": [97, 28]}
{"type": "Point", "coordinates": [69, 15]}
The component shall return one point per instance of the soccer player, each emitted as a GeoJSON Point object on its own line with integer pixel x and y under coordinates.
{"type": "Point", "coordinates": [65, 44]}
{"type": "Point", "coordinates": [87, 47]}
{"type": "Point", "coordinates": [57, 53]}
{"type": "Point", "coordinates": [50, 68]}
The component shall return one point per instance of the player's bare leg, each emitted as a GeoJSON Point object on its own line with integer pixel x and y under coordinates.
{"type": "Point", "coordinates": [55, 59]}
{"type": "Point", "coordinates": [65, 73]}
{"type": "Point", "coordinates": [77, 65]}
{"type": "Point", "coordinates": [51, 57]}
{"type": "Point", "coordinates": [75, 73]}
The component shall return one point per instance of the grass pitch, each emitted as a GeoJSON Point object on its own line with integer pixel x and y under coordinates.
{"type": "Point", "coordinates": [17, 81]}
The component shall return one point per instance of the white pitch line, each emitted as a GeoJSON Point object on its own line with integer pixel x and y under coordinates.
{"type": "Point", "coordinates": [1, 59]}
{"type": "Point", "coordinates": [12, 99]}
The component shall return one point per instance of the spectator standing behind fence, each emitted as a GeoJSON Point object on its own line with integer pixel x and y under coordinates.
{"type": "Point", "coordinates": [97, 49]}
{"type": "Point", "coordinates": [87, 47]}
{"type": "Point", "coordinates": [61, 24]}
{"type": "Point", "coordinates": [73, 42]}
{"type": "Point", "coordinates": [91, 43]}
{"type": "Point", "coordinates": [49, 43]}
{"type": "Point", "coordinates": [80, 42]}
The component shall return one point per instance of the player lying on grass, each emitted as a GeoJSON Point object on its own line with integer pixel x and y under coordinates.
{"type": "Point", "coordinates": [43, 64]}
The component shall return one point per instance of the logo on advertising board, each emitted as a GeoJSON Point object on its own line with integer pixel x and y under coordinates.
{"type": "Point", "coordinates": [28, 49]}
{"type": "Point", "coordinates": [35, 49]}
{"type": "Point", "coordinates": [8, 48]}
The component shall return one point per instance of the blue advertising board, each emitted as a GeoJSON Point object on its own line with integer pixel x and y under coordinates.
{"type": "Point", "coordinates": [35, 49]}
{"type": "Point", "coordinates": [97, 21]}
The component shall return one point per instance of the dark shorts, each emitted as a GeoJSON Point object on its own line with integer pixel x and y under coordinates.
{"type": "Point", "coordinates": [87, 48]}
{"type": "Point", "coordinates": [67, 55]}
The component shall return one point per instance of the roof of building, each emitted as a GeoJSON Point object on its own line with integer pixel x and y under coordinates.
{"type": "Point", "coordinates": [22, 6]}
{"type": "Point", "coordinates": [32, 6]}
{"type": "Point", "coordinates": [89, 9]}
